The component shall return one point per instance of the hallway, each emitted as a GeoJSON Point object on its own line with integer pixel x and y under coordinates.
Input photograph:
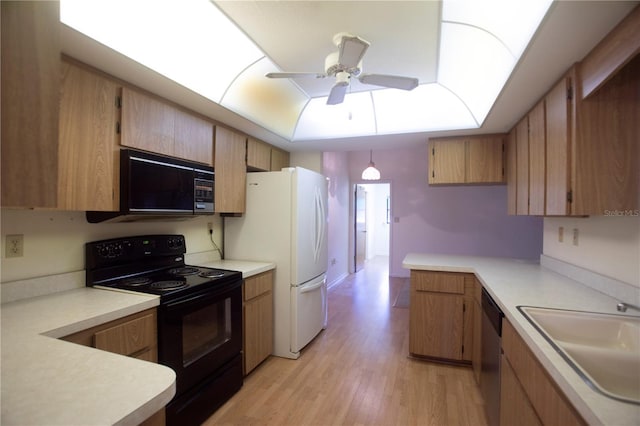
{"type": "Point", "coordinates": [357, 371]}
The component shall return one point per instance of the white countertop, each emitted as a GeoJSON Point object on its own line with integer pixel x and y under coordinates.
{"type": "Point", "coordinates": [513, 282]}
{"type": "Point", "coordinates": [49, 381]}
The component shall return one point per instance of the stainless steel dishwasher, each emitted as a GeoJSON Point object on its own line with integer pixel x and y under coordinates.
{"type": "Point", "coordinates": [491, 347]}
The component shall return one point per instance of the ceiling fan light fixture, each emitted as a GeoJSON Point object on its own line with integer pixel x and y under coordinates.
{"type": "Point", "coordinates": [371, 173]}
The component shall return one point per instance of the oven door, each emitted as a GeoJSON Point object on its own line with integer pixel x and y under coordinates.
{"type": "Point", "coordinates": [200, 333]}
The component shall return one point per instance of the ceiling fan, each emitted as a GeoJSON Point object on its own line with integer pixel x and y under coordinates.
{"type": "Point", "coordinates": [347, 63]}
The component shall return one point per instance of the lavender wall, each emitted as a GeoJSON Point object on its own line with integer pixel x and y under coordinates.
{"type": "Point", "coordinates": [336, 168]}
{"type": "Point", "coordinates": [468, 220]}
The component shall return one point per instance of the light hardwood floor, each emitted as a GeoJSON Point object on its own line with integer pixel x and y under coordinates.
{"type": "Point", "coordinates": [357, 371]}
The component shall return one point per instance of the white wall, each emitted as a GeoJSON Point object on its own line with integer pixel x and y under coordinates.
{"type": "Point", "coordinates": [54, 240]}
{"type": "Point", "coordinates": [607, 245]}
{"type": "Point", "coordinates": [336, 168]}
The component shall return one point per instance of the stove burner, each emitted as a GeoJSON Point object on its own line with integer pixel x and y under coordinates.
{"type": "Point", "coordinates": [187, 270]}
{"type": "Point", "coordinates": [211, 274]}
{"type": "Point", "coordinates": [135, 282]}
{"type": "Point", "coordinates": [167, 285]}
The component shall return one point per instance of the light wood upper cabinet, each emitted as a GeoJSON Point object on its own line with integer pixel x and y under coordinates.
{"type": "Point", "coordinates": [447, 161]}
{"type": "Point", "coordinates": [279, 159]}
{"type": "Point", "coordinates": [88, 173]}
{"type": "Point", "coordinates": [537, 152]}
{"type": "Point", "coordinates": [193, 138]}
{"type": "Point", "coordinates": [258, 155]}
{"type": "Point", "coordinates": [522, 167]}
{"type": "Point", "coordinates": [606, 149]}
{"type": "Point", "coordinates": [471, 159]}
{"type": "Point", "coordinates": [258, 319]}
{"type": "Point", "coordinates": [30, 90]}
{"type": "Point", "coordinates": [512, 167]}
{"type": "Point", "coordinates": [147, 123]}
{"type": "Point", "coordinates": [152, 125]}
{"type": "Point", "coordinates": [231, 171]}
{"type": "Point", "coordinates": [558, 114]}
{"type": "Point", "coordinates": [441, 315]}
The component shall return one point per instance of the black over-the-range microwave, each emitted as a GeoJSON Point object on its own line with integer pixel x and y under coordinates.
{"type": "Point", "coordinates": [157, 187]}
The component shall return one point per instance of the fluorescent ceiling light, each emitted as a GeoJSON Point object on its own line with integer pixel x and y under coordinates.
{"type": "Point", "coordinates": [195, 44]}
{"type": "Point", "coordinates": [190, 42]}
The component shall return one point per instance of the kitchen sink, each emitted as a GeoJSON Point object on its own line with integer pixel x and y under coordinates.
{"type": "Point", "coordinates": [603, 349]}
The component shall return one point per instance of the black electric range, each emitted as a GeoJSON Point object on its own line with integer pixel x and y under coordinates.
{"type": "Point", "coordinates": [150, 264]}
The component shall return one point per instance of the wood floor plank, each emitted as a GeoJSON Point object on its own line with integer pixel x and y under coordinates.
{"type": "Point", "coordinates": [357, 371]}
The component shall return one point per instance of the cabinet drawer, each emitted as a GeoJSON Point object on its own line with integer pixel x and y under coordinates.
{"type": "Point", "coordinates": [440, 282]}
{"type": "Point", "coordinates": [132, 337]}
{"type": "Point", "coordinates": [258, 284]}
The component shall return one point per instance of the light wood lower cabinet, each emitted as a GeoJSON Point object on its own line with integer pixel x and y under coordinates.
{"type": "Point", "coordinates": [538, 390]}
{"type": "Point", "coordinates": [440, 317]}
{"type": "Point", "coordinates": [515, 407]}
{"type": "Point", "coordinates": [257, 319]}
{"type": "Point", "coordinates": [134, 335]}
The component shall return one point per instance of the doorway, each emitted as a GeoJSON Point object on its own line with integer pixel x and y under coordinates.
{"type": "Point", "coordinates": [372, 223]}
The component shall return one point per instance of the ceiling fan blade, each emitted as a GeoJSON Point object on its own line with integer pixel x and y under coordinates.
{"type": "Point", "coordinates": [336, 96]}
{"type": "Point", "coordinates": [352, 50]}
{"type": "Point", "coordinates": [295, 75]}
{"type": "Point", "coordinates": [392, 81]}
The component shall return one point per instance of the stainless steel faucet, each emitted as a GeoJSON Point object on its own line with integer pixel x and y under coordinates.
{"type": "Point", "coordinates": [622, 307]}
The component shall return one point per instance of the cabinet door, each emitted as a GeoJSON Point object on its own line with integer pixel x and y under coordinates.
{"type": "Point", "coordinates": [436, 317]}
{"type": "Point", "coordinates": [193, 138]}
{"type": "Point", "coordinates": [30, 91]}
{"type": "Point", "coordinates": [485, 160]}
{"type": "Point", "coordinates": [147, 123]}
{"type": "Point", "coordinates": [522, 167]}
{"type": "Point", "coordinates": [515, 408]}
{"type": "Point", "coordinates": [258, 330]}
{"type": "Point", "coordinates": [558, 133]}
{"type": "Point", "coordinates": [231, 171]}
{"type": "Point", "coordinates": [258, 155]}
{"type": "Point", "coordinates": [279, 159]}
{"type": "Point", "coordinates": [537, 149]}
{"type": "Point", "coordinates": [447, 161]}
{"type": "Point", "coordinates": [606, 160]}
{"type": "Point", "coordinates": [512, 166]}
{"type": "Point", "coordinates": [88, 143]}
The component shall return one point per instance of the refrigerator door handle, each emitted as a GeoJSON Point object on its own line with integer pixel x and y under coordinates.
{"type": "Point", "coordinates": [307, 289]}
{"type": "Point", "coordinates": [319, 226]}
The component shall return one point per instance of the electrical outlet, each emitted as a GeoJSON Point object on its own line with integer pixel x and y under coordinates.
{"type": "Point", "coordinates": [14, 246]}
{"type": "Point", "coordinates": [575, 236]}
{"type": "Point", "coordinates": [210, 227]}
{"type": "Point", "coordinates": [560, 234]}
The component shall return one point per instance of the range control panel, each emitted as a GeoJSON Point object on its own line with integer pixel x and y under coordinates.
{"type": "Point", "coordinates": [130, 249]}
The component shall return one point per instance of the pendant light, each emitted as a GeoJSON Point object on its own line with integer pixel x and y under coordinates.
{"type": "Point", "coordinates": [371, 173]}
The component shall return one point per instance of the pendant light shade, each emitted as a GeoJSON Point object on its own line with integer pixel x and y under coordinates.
{"type": "Point", "coordinates": [371, 173]}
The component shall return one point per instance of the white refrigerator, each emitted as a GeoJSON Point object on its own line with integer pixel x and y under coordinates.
{"type": "Point", "coordinates": [285, 222]}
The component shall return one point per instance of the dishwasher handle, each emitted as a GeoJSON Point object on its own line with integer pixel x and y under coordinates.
{"type": "Point", "coordinates": [492, 311]}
